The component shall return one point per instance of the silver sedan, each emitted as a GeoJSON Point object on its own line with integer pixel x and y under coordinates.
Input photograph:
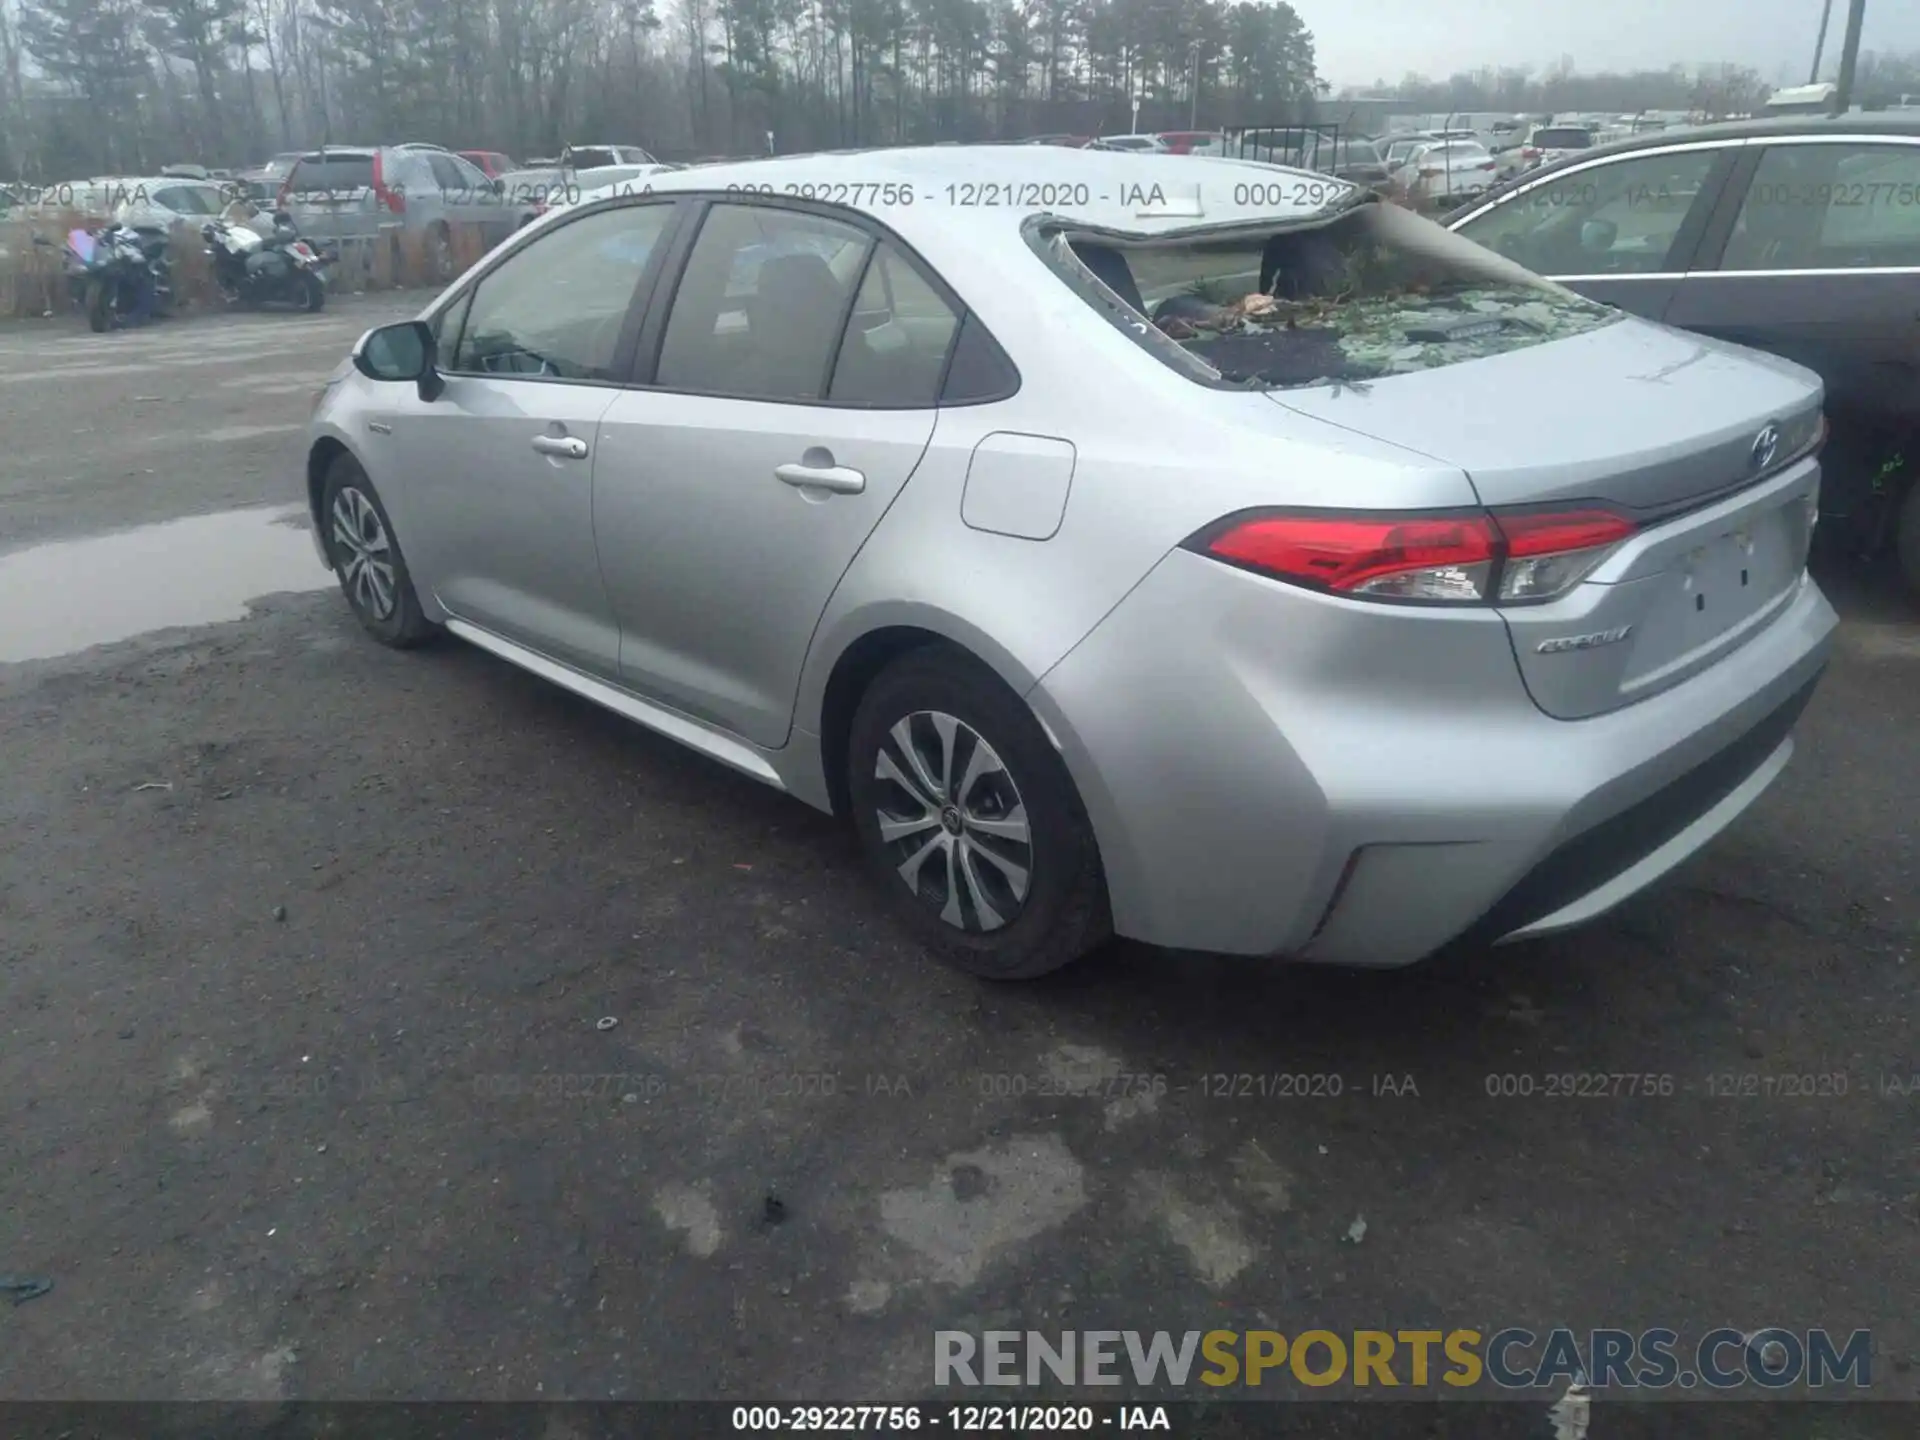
{"type": "Point", "coordinates": [1188, 549]}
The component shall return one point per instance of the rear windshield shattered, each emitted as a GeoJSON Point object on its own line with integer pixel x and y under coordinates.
{"type": "Point", "coordinates": [1377, 292]}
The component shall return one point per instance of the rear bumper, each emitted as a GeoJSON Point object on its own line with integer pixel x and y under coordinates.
{"type": "Point", "coordinates": [1588, 875]}
{"type": "Point", "coordinates": [1274, 772]}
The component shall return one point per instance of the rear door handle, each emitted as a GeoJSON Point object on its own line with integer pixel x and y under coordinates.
{"type": "Point", "coordinates": [837, 478]}
{"type": "Point", "coordinates": [564, 447]}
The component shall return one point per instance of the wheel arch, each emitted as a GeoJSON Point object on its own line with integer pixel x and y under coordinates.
{"type": "Point", "coordinates": [320, 457]}
{"type": "Point", "coordinates": [859, 654]}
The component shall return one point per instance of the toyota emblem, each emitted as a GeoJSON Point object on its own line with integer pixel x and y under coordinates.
{"type": "Point", "coordinates": [1766, 445]}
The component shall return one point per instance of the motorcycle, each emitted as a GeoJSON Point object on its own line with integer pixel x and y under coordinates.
{"type": "Point", "coordinates": [253, 269]}
{"type": "Point", "coordinates": [126, 274]}
{"type": "Point", "coordinates": [73, 268]}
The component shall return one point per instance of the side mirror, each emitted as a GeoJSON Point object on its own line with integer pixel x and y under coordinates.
{"type": "Point", "coordinates": [396, 353]}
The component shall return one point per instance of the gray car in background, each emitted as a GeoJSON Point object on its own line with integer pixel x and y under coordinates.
{"type": "Point", "coordinates": [1798, 235]}
{"type": "Point", "coordinates": [356, 195]}
{"type": "Point", "coordinates": [1301, 580]}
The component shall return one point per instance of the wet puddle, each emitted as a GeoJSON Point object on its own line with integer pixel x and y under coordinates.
{"type": "Point", "coordinates": [61, 598]}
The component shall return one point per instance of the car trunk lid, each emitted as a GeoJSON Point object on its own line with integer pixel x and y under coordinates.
{"type": "Point", "coordinates": [1705, 446]}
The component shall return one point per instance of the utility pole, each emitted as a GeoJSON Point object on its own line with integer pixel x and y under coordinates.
{"type": "Point", "coordinates": [1820, 45]}
{"type": "Point", "coordinates": [1193, 109]}
{"type": "Point", "coordinates": [1849, 56]}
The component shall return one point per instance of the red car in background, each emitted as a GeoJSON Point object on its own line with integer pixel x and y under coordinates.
{"type": "Point", "coordinates": [491, 162]}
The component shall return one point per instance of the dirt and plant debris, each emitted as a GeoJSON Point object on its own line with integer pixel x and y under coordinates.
{"type": "Point", "coordinates": [1371, 295]}
{"type": "Point", "coordinates": [1260, 339]}
{"type": "Point", "coordinates": [1327, 312]}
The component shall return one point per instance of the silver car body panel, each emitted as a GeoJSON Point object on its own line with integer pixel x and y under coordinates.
{"type": "Point", "coordinates": [1267, 769]}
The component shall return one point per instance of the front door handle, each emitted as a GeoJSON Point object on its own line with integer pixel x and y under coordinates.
{"type": "Point", "coordinates": [837, 478]}
{"type": "Point", "coordinates": [564, 447]}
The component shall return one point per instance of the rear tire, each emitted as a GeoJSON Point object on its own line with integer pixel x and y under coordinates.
{"type": "Point", "coordinates": [440, 254]}
{"type": "Point", "coordinates": [366, 556]}
{"type": "Point", "coordinates": [969, 821]}
{"type": "Point", "coordinates": [100, 305]}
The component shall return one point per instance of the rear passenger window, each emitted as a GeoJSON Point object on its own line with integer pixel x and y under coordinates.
{"type": "Point", "coordinates": [760, 307]}
{"type": "Point", "coordinates": [1829, 207]}
{"type": "Point", "coordinates": [980, 370]}
{"type": "Point", "coordinates": [896, 346]}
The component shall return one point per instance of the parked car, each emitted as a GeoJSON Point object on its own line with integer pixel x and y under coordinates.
{"type": "Point", "coordinates": [1071, 142]}
{"type": "Point", "coordinates": [1790, 235]}
{"type": "Point", "coordinates": [359, 195]}
{"type": "Point", "coordinates": [579, 187]}
{"type": "Point", "coordinates": [1395, 150]}
{"type": "Point", "coordinates": [1546, 144]}
{"type": "Point", "coordinates": [529, 191]}
{"type": "Point", "coordinates": [1141, 143]}
{"type": "Point", "coordinates": [904, 508]}
{"type": "Point", "coordinates": [261, 183]}
{"type": "Point", "coordinates": [1307, 147]}
{"type": "Point", "coordinates": [1359, 161]}
{"type": "Point", "coordinates": [595, 157]}
{"type": "Point", "coordinates": [1445, 172]}
{"type": "Point", "coordinates": [143, 201]}
{"type": "Point", "coordinates": [1184, 142]}
{"type": "Point", "coordinates": [490, 163]}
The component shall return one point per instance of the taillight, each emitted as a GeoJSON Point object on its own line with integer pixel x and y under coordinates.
{"type": "Point", "coordinates": [1444, 558]}
{"type": "Point", "coordinates": [1549, 552]}
{"type": "Point", "coordinates": [1511, 557]}
{"type": "Point", "coordinates": [392, 199]}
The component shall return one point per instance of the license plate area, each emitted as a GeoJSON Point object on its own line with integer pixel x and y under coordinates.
{"type": "Point", "coordinates": [1721, 583]}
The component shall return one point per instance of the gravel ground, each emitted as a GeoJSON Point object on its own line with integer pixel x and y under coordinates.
{"type": "Point", "coordinates": [379, 1025]}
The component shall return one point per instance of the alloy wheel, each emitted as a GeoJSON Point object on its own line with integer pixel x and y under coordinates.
{"type": "Point", "coordinates": [952, 821]}
{"type": "Point", "coordinates": [362, 551]}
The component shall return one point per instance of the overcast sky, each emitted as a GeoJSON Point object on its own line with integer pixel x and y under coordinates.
{"type": "Point", "coordinates": [1360, 41]}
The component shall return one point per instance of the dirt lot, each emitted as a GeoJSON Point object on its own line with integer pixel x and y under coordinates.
{"type": "Point", "coordinates": [379, 1025]}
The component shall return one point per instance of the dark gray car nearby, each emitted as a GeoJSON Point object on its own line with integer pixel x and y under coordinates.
{"type": "Point", "coordinates": [1799, 235]}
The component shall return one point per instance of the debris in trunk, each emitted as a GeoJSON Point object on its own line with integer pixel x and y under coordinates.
{"type": "Point", "coordinates": [1282, 343]}
{"type": "Point", "coordinates": [1363, 296]}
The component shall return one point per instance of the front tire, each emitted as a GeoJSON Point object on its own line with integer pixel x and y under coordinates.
{"type": "Point", "coordinates": [366, 556]}
{"type": "Point", "coordinates": [969, 821]}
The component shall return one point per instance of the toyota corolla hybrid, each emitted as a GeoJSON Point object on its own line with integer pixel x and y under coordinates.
{"type": "Point", "coordinates": [1121, 543]}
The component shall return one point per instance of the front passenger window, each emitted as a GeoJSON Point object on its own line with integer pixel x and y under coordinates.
{"type": "Point", "coordinates": [556, 309]}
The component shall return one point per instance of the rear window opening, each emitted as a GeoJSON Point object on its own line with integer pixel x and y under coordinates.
{"type": "Point", "coordinates": [1373, 292]}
